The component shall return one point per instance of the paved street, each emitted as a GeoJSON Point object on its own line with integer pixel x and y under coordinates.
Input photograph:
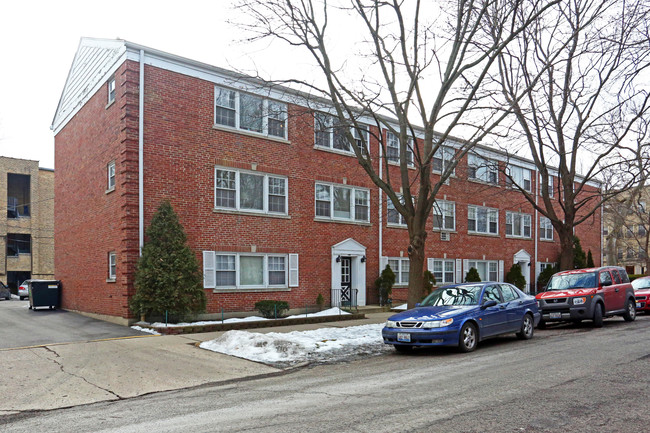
{"type": "Point", "coordinates": [23, 327]}
{"type": "Point", "coordinates": [566, 379]}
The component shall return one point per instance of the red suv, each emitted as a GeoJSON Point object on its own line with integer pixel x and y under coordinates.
{"type": "Point", "coordinates": [590, 294]}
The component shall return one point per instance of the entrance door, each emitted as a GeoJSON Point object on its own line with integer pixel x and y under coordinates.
{"type": "Point", "coordinates": [346, 281]}
{"type": "Point", "coordinates": [525, 271]}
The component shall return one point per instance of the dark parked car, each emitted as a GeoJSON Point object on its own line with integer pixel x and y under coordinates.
{"type": "Point", "coordinates": [462, 315]}
{"type": "Point", "coordinates": [587, 294]}
{"type": "Point", "coordinates": [4, 292]}
{"type": "Point", "coordinates": [641, 288]}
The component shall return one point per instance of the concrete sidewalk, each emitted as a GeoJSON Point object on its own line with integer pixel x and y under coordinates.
{"type": "Point", "coordinates": [69, 374]}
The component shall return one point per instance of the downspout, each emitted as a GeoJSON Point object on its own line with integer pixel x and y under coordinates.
{"type": "Point", "coordinates": [140, 154]}
{"type": "Point", "coordinates": [536, 232]}
{"type": "Point", "coordinates": [381, 229]}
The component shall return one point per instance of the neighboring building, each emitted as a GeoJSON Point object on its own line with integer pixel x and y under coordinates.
{"type": "Point", "coordinates": [626, 229]}
{"type": "Point", "coordinates": [27, 225]}
{"type": "Point", "coordinates": [274, 203]}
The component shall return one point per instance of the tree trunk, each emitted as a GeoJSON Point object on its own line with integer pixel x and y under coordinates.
{"type": "Point", "coordinates": [566, 254]}
{"type": "Point", "coordinates": [416, 267]}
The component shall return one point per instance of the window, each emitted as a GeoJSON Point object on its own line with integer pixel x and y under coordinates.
{"type": "Point", "coordinates": [492, 294]}
{"type": "Point", "coordinates": [487, 270]}
{"type": "Point", "coordinates": [400, 267]}
{"type": "Point", "coordinates": [549, 186]}
{"type": "Point", "coordinates": [392, 148]}
{"type": "Point", "coordinates": [545, 265]}
{"type": "Point", "coordinates": [545, 229]}
{"type": "Point", "coordinates": [249, 112]}
{"type": "Point", "coordinates": [619, 253]}
{"type": "Point", "coordinates": [330, 133]}
{"type": "Point", "coordinates": [245, 271]}
{"type": "Point", "coordinates": [18, 243]}
{"type": "Point", "coordinates": [342, 203]}
{"type": "Point", "coordinates": [250, 191]}
{"type": "Point", "coordinates": [111, 175]}
{"type": "Point", "coordinates": [442, 158]}
{"type": "Point", "coordinates": [111, 90]}
{"type": "Point", "coordinates": [392, 215]}
{"type": "Point", "coordinates": [508, 293]}
{"type": "Point", "coordinates": [112, 266]}
{"type": "Point", "coordinates": [18, 195]}
{"type": "Point", "coordinates": [605, 231]}
{"type": "Point", "coordinates": [482, 220]}
{"type": "Point", "coordinates": [519, 176]}
{"type": "Point", "coordinates": [605, 278]}
{"type": "Point", "coordinates": [443, 271]}
{"type": "Point", "coordinates": [518, 225]}
{"type": "Point", "coordinates": [641, 231]}
{"type": "Point", "coordinates": [482, 169]}
{"type": "Point", "coordinates": [444, 215]}
{"type": "Point", "coordinates": [631, 253]}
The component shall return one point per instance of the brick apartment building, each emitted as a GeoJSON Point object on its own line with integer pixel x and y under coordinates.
{"type": "Point", "coordinates": [27, 223]}
{"type": "Point", "coordinates": [274, 204]}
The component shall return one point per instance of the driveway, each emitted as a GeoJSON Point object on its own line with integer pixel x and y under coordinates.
{"type": "Point", "coordinates": [21, 327]}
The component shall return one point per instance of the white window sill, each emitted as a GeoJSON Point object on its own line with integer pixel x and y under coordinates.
{"type": "Point", "coordinates": [397, 164]}
{"type": "Point", "coordinates": [489, 235]}
{"type": "Point", "coordinates": [337, 151]}
{"type": "Point", "coordinates": [546, 240]}
{"type": "Point", "coordinates": [242, 289]}
{"type": "Point", "coordinates": [111, 280]}
{"type": "Point", "coordinates": [250, 133]}
{"type": "Point", "coordinates": [483, 182]}
{"type": "Point", "coordinates": [523, 238]}
{"type": "Point", "coordinates": [110, 190]}
{"type": "Point", "coordinates": [396, 226]}
{"type": "Point", "coordinates": [450, 231]}
{"type": "Point", "coordinates": [257, 214]}
{"type": "Point", "coordinates": [330, 220]}
{"type": "Point", "coordinates": [109, 104]}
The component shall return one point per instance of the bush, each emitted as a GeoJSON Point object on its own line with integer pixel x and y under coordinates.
{"type": "Point", "coordinates": [472, 276]}
{"type": "Point", "coordinates": [635, 276]}
{"type": "Point", "coordinates": [385, 284]}
{"type": "Point", "coordinates": [167, 277]}
{"type": "Point", "coordinates": [590, 260]}
{"type": "Point", "coordinates": [320, 301]}
{"type": "Point", "coordinates": [545, 276]}
{"type": "Point", "coordinates": [429, 282]}
{"type": "Point", "coordinates": [579, 256]}
{"type": "Point", "coordinates": [515, 277]}
{"type": "Point", "coordinates": [270, 309]}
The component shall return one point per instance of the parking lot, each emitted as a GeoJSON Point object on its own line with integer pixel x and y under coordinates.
{"type": "Point", "coordinates": [22, 327]}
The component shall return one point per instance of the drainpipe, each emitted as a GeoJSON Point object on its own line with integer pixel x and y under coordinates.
{"type": "Point", "coordinates": [381, 229]}
{"type": "Point", "coordinates": [536, 232]}
{"type": "Point", "coordinates": [140, 154]}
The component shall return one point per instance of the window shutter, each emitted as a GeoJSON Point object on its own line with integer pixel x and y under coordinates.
{"type": "Point", "coordinates": [459, 271]}
{"type": "Point", "coordinates": [500, 270]}
{"type": "Point", "coordinates": [465, 269]}
{"type": "Point", "coordinates": [293, 270]}
{"type": "Point", "coordinates": [209, 270]}
{"type": "Point", "coordinates": [430, 265]}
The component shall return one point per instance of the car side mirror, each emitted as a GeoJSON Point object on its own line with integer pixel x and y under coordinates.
{"type": "Point", "coordinates": [417, 304]}
{"type": "Point", "coordinates": [488, 304]}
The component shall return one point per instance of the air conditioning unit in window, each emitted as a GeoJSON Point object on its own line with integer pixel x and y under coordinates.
{"type": "Point", "coordinates": [444, 236]}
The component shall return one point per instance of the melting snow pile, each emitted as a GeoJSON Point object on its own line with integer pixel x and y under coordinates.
{"type": "Point", "coordinates": [288, 348]}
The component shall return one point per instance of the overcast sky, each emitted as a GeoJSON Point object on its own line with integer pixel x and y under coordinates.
{"type": "Point", "coordinates": [39, 40]}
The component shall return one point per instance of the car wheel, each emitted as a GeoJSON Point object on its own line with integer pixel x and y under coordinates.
{"type": "Point", "coordinates": [630, 311]}
{"type": "Point", "coordinates": [598, 316]}
{"type": "Point", "coordinates": [401, 348]}
{"type": "Point", "coordinates": [22, 298]}
{"type": "Point", "coordinates": [527, 328]}
{"type": "Point", "coordinates": [468, 338]}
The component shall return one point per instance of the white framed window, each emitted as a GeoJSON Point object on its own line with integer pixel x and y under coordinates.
{"type": "Point", "coordinates": [518, 225]}
{"type": "Point", "coordinates": [443, 271]}
{"type": "Point", "coordinates": [488, 270]}
{"type": "Point", "coordinates": [112, 266]}
{"type": "Point", "coordinates": [392, 148]}
{"type": "Point", "coordinates": [250, 112]}
{"type": "Point", "coordinates": [519, 176]}
{"type": "Point", "coordinates": [111, 89]}
{"type": "Point", "coordinates": [329, 133]}
{"type": "Point", "coordinates": [482, 220]}
{"type": "Point", "coordinates": [545, 229]}
{"type": "Point", "coordinates": [343, 203]}
{"type": "Point", "coordinates": [250, 191]}
{"type": "Point", "coordinates": [111, 175]}
{"type": "Point", "coordinates": [442, 158]}
{"type": "Point", "coordinates": [444, 215]}
{"type": "Point", "coordinates": [549, 185]}
{"type": "Point", "coordinates": [544, 265]}
{"type": "Point", "coordinates": [400, 266]}
{"type": "Point", "coordinates": [482, 169]}
{"type": "Point", "coordinates": [392, 215]}
{"type": "Point", "coordinates": [223, 270]}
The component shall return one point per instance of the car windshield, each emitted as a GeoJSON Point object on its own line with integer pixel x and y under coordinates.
{"type": "Point", "coordinates": [572, 281]}
{"type": "Point", "coordinates": [641, 283]}
{"type": "Point", "coordinates": [465, 295]}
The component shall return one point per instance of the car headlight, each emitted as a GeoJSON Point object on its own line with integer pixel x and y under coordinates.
{"type": "Point", "coordinates": [391, 324]}
{"type": "Point", "coordinates": [579, 301]}
{"type": "Point", "coordinates": [437, 323]}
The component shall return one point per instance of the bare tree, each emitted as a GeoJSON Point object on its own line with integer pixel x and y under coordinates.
{"type": "Point", "coordinates": [425, 65]}
{"type": "Point", "coordinates": [582, 66]}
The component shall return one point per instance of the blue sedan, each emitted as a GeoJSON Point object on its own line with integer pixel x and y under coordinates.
{"type": "Point", "coordinates": [462, 315]}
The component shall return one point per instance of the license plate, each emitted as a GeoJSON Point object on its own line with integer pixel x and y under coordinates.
{"type": "Point", "coordinates": [555, 315]}
{"type": "Point", "coordinates": [403, 337]}
{"type": "Point", "coordinates": [639, 305]}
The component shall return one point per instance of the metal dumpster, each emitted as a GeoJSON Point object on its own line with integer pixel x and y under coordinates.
{"type": "Point", "coordinates": [44, 293]}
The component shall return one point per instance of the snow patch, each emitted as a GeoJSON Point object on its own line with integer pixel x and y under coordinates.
{"type": "Point", "coordinates": [147, 330]}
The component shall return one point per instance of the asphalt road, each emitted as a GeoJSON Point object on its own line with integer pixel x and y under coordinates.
{"type": "Point", "coordinates": [566, 379]}
{"type": "Point", "coordinates": [22, 327]}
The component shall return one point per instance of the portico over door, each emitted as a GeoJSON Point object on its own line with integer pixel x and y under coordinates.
{"type": "Point", "coordinates": [348, 274]}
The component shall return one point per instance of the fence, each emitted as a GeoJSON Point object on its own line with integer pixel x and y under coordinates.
{"type": "Point", "coordinates": [345, 298]}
